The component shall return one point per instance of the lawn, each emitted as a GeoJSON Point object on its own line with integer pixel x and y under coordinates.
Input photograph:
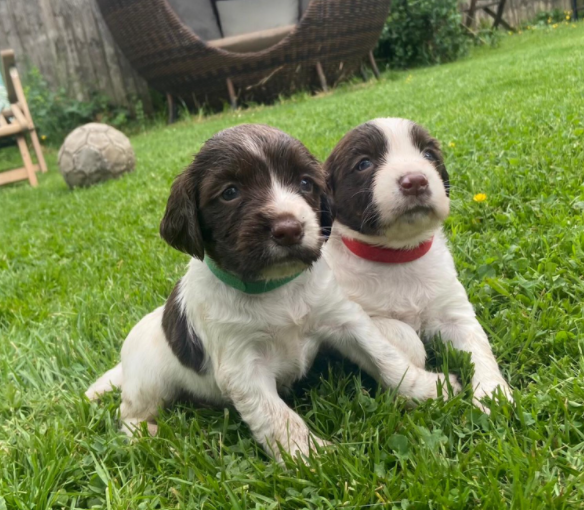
{"type": "Point", "coordinates": [78, 269]}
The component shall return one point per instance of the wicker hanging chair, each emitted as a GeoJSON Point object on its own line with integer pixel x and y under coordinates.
{"type": "Point", "coordinates": [328, 44]}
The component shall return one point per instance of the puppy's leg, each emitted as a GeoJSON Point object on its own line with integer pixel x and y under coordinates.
{"type": "Point", "coordinates": [467, 335]}
{"type": "Point", "coordinates": [355, 335]}
{"type": "Point", "coordinates": [454, 319]}
{"type": "Point", "coordinates": [112, 379]}
{"type": "Point", "coordinates": [152, 373]}
{"type": "Point", "coordinates": [140, 403]}
{"type": "Point", "coordinates": [409, 345]}
{"type": "Point", "coordinates": [252, 389]}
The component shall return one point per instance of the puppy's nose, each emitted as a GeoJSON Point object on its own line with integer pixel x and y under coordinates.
{"type": "Point", "coordinates": [287, 231]}
{"type": "Point", "coordinates": [413, 184]}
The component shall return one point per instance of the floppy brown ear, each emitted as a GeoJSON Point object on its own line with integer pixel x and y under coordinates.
{"type": "Point", "coordinates": [180, 225]}
{"type": "Point", "coordinates": [327, 203]}
{"type": "Point", "coordinates": [445, 177]}
{"type": "Point", "coordinates": [326, 215]}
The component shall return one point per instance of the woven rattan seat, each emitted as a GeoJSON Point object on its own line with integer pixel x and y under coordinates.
{"type": "Point", "coordinates": [328, 44]}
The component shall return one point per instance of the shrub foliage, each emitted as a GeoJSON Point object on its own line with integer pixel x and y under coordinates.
{"type": "Point", "coordinates": [422, 32]}
{"type": "Point", "coordinates": [56, 114]}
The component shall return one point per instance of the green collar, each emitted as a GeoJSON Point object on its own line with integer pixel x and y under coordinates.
{"type": "Point", "coordinates": [258, 287]}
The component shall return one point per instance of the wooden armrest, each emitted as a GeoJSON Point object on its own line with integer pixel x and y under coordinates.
{"type": "Point", "coordinates": [20, 117]}
{"type": "Point", "coordinates": [8, 63]}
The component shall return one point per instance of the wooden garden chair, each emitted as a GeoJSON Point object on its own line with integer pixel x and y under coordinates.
{"type": "Point", "coordinates": [15, 120]}
{"type": "Point", "coordinates": [486, 6]}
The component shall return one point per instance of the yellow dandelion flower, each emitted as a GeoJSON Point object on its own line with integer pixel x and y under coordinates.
{"type": "Point", "coordinates": [555, 25]}
{"type": "Point", "coordinates": [480, 197]}
{"type": "Point", "coordinates": [520, 32]}
{"type": "Point", "coordinates": [452, 145]}
{"type": "Point", "coordinates": [43, 137]}
{"type": "Point", "coordinates": [568, 18]}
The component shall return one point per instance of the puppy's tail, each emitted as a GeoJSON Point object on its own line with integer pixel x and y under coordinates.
{"type": "Point", "coordinates": [109, 381]}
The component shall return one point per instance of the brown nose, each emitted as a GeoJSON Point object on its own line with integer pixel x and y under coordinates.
{"type": "Point", "coordinates": [287, 231]}
{"type": "Point", "coordinates": [413, 184]}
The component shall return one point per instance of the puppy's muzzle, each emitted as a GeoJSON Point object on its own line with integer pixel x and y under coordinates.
{"type": "Point", "coordinates": [413, 185]}
{"type": "Point", "coordinates": [287, 231]}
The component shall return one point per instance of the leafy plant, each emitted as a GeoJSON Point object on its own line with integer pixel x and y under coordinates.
{"type": "Point", "coordinates": [486, 34]}
{"type": "Point", "coordinates": [422, 32]}
{"type": "Point", "coordinates": [56, 114]}
{"type": "Point", "coordinates": [545, 18]}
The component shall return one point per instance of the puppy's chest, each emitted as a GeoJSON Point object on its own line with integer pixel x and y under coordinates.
{"type": "Point", "coordinates": [394, 292]}
{"type": "Point", "coordinates": [279, 337]}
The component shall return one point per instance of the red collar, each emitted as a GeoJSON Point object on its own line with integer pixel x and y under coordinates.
{"type": "Point", "coordinates": [387, 255]}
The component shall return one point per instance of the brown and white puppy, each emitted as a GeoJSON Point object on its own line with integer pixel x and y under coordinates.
{"type": "Point", "coordinates": [257, 300]}
{"type": "Point", "coordinates": [387, 249]}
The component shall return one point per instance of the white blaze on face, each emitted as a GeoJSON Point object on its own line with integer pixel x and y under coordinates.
{"type": "Point", "coordinates": [401, 159]}
{"type": "Point", "coordinates": [288, 202]}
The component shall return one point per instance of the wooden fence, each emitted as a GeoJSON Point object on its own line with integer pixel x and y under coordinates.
{"type": "Point", "coordinates": [525, 10]}
{"type": "Point", "coordinates": [517, 11]}
{"type": "Point", "coordinates": [69, 42]}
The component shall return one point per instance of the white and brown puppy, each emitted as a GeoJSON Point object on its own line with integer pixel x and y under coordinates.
{"type": "Point", "coordinates": [257, 300]}
{"type": "Point", "coordinates": [387, 249]}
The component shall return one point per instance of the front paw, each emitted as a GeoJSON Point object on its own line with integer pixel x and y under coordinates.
{"type": "Point", "coordinates": [450, 386]}
{"type": "Point", "coordinates": [493, 389]}
{"type": "Point", "coordinates": [431, 385]}
{"type": "Point", "coordinates": [301, 446]}
{"type": "Point", "coordinates": [133, 428]}
{"type": "Point", "coordinates": [305, 446]}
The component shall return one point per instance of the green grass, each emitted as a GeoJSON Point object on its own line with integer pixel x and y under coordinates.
{"type": "Point", "coordinates": [78, 269]}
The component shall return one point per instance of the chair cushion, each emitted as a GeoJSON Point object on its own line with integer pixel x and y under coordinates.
{"type": "Point", "coordinates": [199, 16]}
{"type": "Point", "coordinates": [255, 41]}
{"type": "Point", "coordinates": [244, 16]}
{"type": "Point", "coordinates": [4, 103]}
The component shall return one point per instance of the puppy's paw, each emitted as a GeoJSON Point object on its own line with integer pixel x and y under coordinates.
{"type": "Point", "coordinates": [302, 446]}
{"type": "Point", "coordinates": [133, 427]}
{"type": "Point", "coordinates": [109, 381]}
{"type": "Point", "coordinates": [494, 389]}
{"type": "Point", "coordinates": [427, 385]}
{"type": "Point", "coordinates": [320, 443]}
{"type": "Point", "coordinates": [450, 385]}
{"type": "Point", "coordinates": [309, 447]}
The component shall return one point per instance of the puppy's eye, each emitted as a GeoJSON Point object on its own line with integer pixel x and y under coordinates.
{"type": "Point", "coordinates": [230, 193]}
{"type": "Point", "coordinates": [430, 156]}
{"type": "Point", "coordinates": [364, 164]}
{"type": "Point", "coordinates": [306, 185]}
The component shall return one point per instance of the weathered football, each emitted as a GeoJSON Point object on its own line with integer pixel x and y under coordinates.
{"type": "Point", "coordinates": [95, 153]}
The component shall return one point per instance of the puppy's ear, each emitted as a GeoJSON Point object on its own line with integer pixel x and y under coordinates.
{"type": "Point", "coordinates": [440, 166]}
{"type": "Point", "coordinates": [180, 225]}
{"type": "Point", "coordinates": [445, 177]}
{"type": "Point", "coordinates": [326, 215]}
{"type": "Point", "coordinates": [327, 205]}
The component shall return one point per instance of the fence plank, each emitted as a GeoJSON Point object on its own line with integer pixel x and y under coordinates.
{"type": "Point", "coordinates": [58, 64]}
{"type": "Point", "coordinates": [517, 11]}
{"type": "Point", "coordinates": [69, 42]}
{"type": "Point", "coordinates": [9, 30]}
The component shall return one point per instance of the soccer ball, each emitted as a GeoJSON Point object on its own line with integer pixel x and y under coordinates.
{"type": "Point", "coordinates": [95, 153]}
